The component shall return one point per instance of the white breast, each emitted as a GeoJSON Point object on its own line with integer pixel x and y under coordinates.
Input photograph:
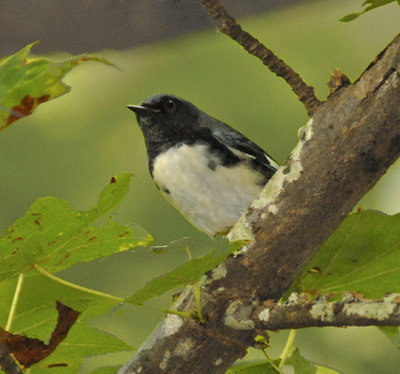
{"type": "Point", "coordinates": [212, 200]}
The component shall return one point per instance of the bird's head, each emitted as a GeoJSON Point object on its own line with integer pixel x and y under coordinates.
{"type": "Point", "coordinates": [165, 117]}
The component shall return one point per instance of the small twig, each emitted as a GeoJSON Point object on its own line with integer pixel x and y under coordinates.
{"type": "Point", "coordinates": [197, 295]}
{"type": "Point", "coordinates": [192, 316]}
{"type": "Point", "coordinates": [230, 27]}
{"type": "Point", "coordinates": [351, 310]}
{"type": "Point", "coordinates": [7, 362]}
{"type": "Point", "coordinates": [297, 312]}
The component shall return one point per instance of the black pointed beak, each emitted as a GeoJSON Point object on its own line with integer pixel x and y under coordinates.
{"type": "Point", "coordinates": [142, 110]}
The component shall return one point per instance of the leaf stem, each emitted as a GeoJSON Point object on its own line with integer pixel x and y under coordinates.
{"type": "Point", "coordinates": [77, 286]}
{"type": "Point", "coordinates": [187, 250]}
{"type": "Point", "coordinates": [271, 361]}
{"type": "Point", "coordinates": [180, 314]}
{"type": "Point", "coordinates": [15, 300]}
{"type": "Point", "coordinates": [288, 349]}
{"type": "Point", "coordinates": [197, 296]}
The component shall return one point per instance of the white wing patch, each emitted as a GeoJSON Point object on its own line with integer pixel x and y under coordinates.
{"type": "Point", "coordinates": [246, 156]}
{"type": "Point", "coordinates": [212, 200]}
{"type": "Point", "coordinates": [240, 154]}
{"type": "Point", "coordinates": [272, 162]}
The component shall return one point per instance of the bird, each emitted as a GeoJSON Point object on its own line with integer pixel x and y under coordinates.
{"type": "Point", "coordinates": [209, 171]}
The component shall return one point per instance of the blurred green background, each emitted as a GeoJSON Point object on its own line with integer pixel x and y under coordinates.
{"type": "Point", "coordinates": [70, 148]}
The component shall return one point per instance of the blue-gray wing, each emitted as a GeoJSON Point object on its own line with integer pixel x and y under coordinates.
{"type": "Point", "coordinates": [241, 146]}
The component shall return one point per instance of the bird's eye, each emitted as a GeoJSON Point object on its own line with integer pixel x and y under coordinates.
{"type": "Point", "coordinates": [170, 106]}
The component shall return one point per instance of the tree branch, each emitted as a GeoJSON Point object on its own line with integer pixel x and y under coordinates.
{"type": "Point", "coordinates": [351, 310]}
{"type": "Point", "coordinates": [230, 27]}
{"type": "Point", "coordinates": [345, 148]}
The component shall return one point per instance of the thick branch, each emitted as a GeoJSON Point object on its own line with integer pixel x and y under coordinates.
{"type": "Point", "coordinates": [230, 27]}
{"type": "Point", "coordinates": [346, 147]}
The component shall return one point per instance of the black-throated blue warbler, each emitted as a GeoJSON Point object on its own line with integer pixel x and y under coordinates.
{"type": "Point", "coordinates": [208, 170]}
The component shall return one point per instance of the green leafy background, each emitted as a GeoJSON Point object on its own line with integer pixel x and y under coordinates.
{"type": "Point", "coordinates": [362, 256]}
{"type": "Point", "coordinates": [71, 146]}
{"type": "Point", "coordinates": [50, 237]}
{"type": "Point", "coordinates": [28, 82]}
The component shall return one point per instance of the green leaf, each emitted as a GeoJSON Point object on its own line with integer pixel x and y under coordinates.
{"type": "Point", "coordinates": [36, 304]}
{"type": "Point", "coordinates": [362, 255]}
{"type": "Point", "coordinates": [325, 370]}
{"type": "Point", "coordinates": [37, 316]}
{"type": "Point", "coordinates": [253, 368]}
{"type": "Point", "coordinates": [369, 5]}
{"type": "Point", "coordinates": [350, 17]}
{"type": "Point", "coordinates": [50, 237]}
{"type": "Point", "coordinates": [303, 366]}
{"type": "Point", "coordinates": [112, 195]}
{"type": "Point", "coordinates": [300, 364]}
{"type": "Point", "coordinates": [82, 341]}
{"type": "Point", "coordinates": [26, 82]}
{"type": "Point", "coordinates": [106, 370]}
{"type": "Point", "coordinates": [186, 273]}
{"type": "Point", "coordinates": [54, 236]}
{"type": "Point", "coordinates": [393, 333]}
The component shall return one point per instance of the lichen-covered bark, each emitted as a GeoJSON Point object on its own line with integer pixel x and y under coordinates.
{"type": "Point", "coordinates": [350, 310]}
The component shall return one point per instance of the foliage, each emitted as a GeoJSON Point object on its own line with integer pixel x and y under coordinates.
{"type": "Point", "coordinates": [53, 236]}
{"type": "Point", "coordinates": [26, 83]}
{"type": "Point", "coordinates": [299, 364]}
{"type": "Point", "coordinates": [252, 368]}
{"type": "Point", "coordinates": [303, 366]}
{"type": "Point", "coordinates": [362, 256]}
{"type": "Point", "coordinates": [369, 5]}
{"type": "Point", "coordinates": [187, 273]}
{"type": "Point", "coordinates": [50, 237]}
